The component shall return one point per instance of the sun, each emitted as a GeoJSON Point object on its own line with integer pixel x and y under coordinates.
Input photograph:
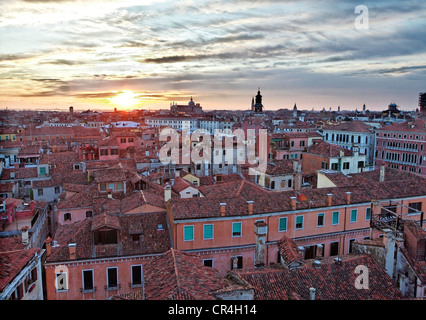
{"type": "Point", "coordinates": [125, 99]}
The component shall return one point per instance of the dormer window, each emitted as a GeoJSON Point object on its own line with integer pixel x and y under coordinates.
{"type": "Point", "coordinates": [106, 236]}
{"type": "Point", "coordinates": [67, 216]}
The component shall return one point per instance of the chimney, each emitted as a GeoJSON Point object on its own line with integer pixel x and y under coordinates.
{"type": "Point", "coordinates": [250, 207]}
{"type": "Point", "coordinates": [316, 264]}
{"type": "Point", "coordinates": [260, 230]}
{"type": "Point", "coordinates": [348, 197]}
{"type": "Point", "coordinates": [389, 242]}
{"type": "Point", "coordinates": [293, 203]}
{"type": "Point", "coordinates": [329, 199]}
{"type": "Point", "coordinates": [222, 209]}
{"type": "Point", "coordinates": [167, 192]}
{"type": "Point", "coordinates": [382, 173]}
{"type": "Point", "coordinates": [48, 243]}
{"type": "Point", "coordinates": [71, 248]}
{"type": "Point", "coordinates": [25, 238]}
{"type": "Point", "coordinates": [320, 251]}
{"type": "Point", "coordinates": [234, 263]}
{"type": "Point", "coordinates": [301, 251]}
{"type": "Point", "coordinates": [312, 293]}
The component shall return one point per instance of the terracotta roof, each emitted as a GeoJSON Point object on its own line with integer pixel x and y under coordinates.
{"type": "Point", "coordinates": [279, 167]}
{"type": "Point", "coordinates": [81, 199]}
{"type": "Point", "coordinates": [352, 126]}
{"type": "Point", "coordinates": [332, 281]}
{"type": "Point", "coordinates": [135, 200]}
{"type": "Point", "coordinates": [288, 251]}
{"type": "Point", "coordinates": [327, 150]}
{"type": "Point", "coordinates": [416, 126]}
{"type": "Point", "coordinates": [152, 239]}
{"type": "Point", "coordinates": [177, 275]}
{"type": "Point", "coordinates": [13, 258]}
{"type": "Point", "coordinates": [180, 184]}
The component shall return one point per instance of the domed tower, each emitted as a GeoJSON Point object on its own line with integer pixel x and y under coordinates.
{"type": "Point", "coordinates": [258, 106]}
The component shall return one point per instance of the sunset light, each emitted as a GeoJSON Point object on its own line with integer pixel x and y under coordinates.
{"type": "Point", "coordinates": [125, 99]}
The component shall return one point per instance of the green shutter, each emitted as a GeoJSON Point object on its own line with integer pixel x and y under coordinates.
{"type": "Point", "coordinates": [283, 224]}
{"type": "Point", "coordinates": [336, 217]}
{"type": "Point", "coordinates": [208, 231]}
{"type": "Point", "coordinates": [354, 213]}
{"type": "Point", "coordinates": [188, 233]}
{"type": "Point", "coordinates": [299, 222]}
{"type": "Point", "coordinates": [236, 228]}
{"type": "Point", "coordinates": [368, 214]}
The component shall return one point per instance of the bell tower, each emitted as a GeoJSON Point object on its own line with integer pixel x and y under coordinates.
{"type": "Point", "coordinates": [258, 107]}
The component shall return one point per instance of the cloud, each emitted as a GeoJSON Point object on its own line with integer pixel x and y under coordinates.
{"type": "Point", "coordinates": [63, 62]}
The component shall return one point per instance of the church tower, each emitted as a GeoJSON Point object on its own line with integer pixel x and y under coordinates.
{"type": "Point", "coordinates": [295, 111]}
{"type": "Point", "coordinates": [258, 107]}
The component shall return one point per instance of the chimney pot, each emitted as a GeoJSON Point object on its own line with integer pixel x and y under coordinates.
{"type": "Point", "coordinates": [250, 207]}
{"type": "Point", "coordinates": [167, 192]}
{"type": "Point", "coordinates": [329, 199]}
{"type": "Point", "coordinates": [312, 293]}
{"type": "Point", "coordinates": [293, 203]}
{"type": "Point", "coordinates": [222, 209]}
{"type": "Point", "coordinates": [382, 173]}
{"type": "Point", "coordinates": [72, 252]}
{"type": "Point", "coordinates": [348, 197]}
{"type": "Point", "coordinates": [48, 243]}
{"type": "Point", "coordinates": [24, 231]}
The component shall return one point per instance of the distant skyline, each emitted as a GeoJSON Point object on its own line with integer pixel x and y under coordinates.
{"type": "Point", "coordinates": [132, 54]}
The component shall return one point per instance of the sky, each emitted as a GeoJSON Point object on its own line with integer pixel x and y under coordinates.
{"type": "Point", "coordinates": [133, 54]}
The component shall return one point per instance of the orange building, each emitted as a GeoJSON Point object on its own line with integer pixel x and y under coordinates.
{"type": "Point", "coordinates": [324, 221]}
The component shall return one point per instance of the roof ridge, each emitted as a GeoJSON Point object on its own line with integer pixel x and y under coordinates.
{"type": "Point", "coordinates": [175, 268]}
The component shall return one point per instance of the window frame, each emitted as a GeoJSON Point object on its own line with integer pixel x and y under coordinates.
{"type": "Point", "coordinates": [322, 214]}
{"type": "Point", "coordinates": [279, 224]}
{"type": "Point", "coordinates": [235, 234]}
{"type": "Point", "coordinates": [296, 223]}
{"type": "Point", "coordinates": [109, 287]}
{"type": "Point", "coordinates": [356, 215]}
{"type": "Point", "coordinates": [332, 218]}
{"type": "Point", "coordinates": [132, 272]}
{"type": "Point", "coordinates": [212, 231]}
{"type": "Point", "coordinates": [184, 232]}
{"type": "Point", "coordinates": [83, 280]}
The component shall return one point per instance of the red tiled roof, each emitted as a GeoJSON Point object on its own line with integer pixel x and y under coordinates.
{"type": "Point", "coordinates": [177, 275]}
{"type": "Point", "coordinates": [13, 258]}
{"type": "Point", "coordinates": [332, 281]}
{"type": "Point", "coordinates": [352, 126]}
{"type": "Point", "coordinates": [152, 239]}
{"type": "Point", "coordinates": [327, 150]}
{"type": "Point", "coordinates": [418, 126]}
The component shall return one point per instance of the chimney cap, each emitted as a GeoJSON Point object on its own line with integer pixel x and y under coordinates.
{"type": "Point", "coordinates": [223, 204]}
{"type": "Point", "coordinates": [72, 244]}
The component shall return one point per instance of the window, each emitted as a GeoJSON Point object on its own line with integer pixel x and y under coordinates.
{"type": "Point", "coordinates": [323, 165]}
{"type": "Point", "coordinates": [112, 278]}
{"type": "Point", "coordinates": [104, 152]}
{"type": "Point", "coordinates": [345, 165]}
{"type": "Point", "coordinates": [414, 206]}
{"type": "Point", "coordinates": [137, 275]}
{"type": "Point", "coordinates": [335, 166]}
{"type": "Point", "coordinates": [236, 229]}
{"type": "Point", "coordinates": [67, 216]}
{"type": "Point", "coordinates": [111, 186]}
{"type": "Point", "coordinates": [335, 218]}
{"type": "Point", "coordinates": [367, 213]}
{"type": "Point", "coordinates": [89, 214]}
{"type": "Point", "coordinates": [61, 281]}
{"type": "Point", "coordinates": [208, 232]}
{"type": "Point", "coordinates": [302, 143]}
{"type": "Point", "coordinates": [42, 171]}
{"type": "Point", "coordinates": [119, 186]}
{"type": "Point", "coordinates": [320, 220]}
{"type": "Point", "coordinates": [236, 262]}
{"type": "Point", "coordinates": [334, 248]}
{"type": "Point", "coordinates": [354, 214]}
{"type": "Point", "coordinates": [106, 237]}
{"type": "Point", "coordinates": [40, 192]}
{"type": "Point", "coordinates": [299, 222]}
{"type": "Point", "coordinates": [102, 187]}
{"type": "Point", "coordinates": [188, 233]}
{"type": "Point", "coordinates": [351, 241]}
{"type": "Point", "coordinates": [114, 152]}
{"type": "Point", "coordinates": [122, 140]}
{"type": "Point", "coordinates": [282, 224]}
{"type": "Point", "coordinates": [57, 190]}
{"type": "Point", "coordinates": [88, 280]}
{"type": "Point", "coordinates": [208, 262]}
{"type": "Point", "coordinates": [130, 140]}
{"type": "Point", "coordinates": [76, 167]}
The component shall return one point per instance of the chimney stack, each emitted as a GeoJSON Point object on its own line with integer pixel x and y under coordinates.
{"type": "Point", "coordinates": [167, 192]}
{"type": "Point", "coordinates": [71, 248]}
{"type": "Point", "coordinates": [25, 238]}
{"type": "Point", "coordinates": [312, 293]}
{"type": "Point", "coordinates": [250, 207]}
{"type": "Point", "coordinates": [48, 243]}
{"type": "Point", "coordinates": [222, 209]}
{"type": "Point", "coordinates": [293, 203]}
{"type": "Point", "coordinates": [382, 173]}
{"type": "Point", "coordinates": [329, 199]}
{"type": "Point", "coordinates": [320, 251]}
{"type": "Point", "coordinates": [389, 242]}
{"type": "Point", "coordinates": [260, 230]}
{"type": "Point", "coordinates": [348, 197]}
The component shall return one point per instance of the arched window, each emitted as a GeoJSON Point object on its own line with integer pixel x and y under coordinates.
{"type": "Point", "coordinates": [67, 216]}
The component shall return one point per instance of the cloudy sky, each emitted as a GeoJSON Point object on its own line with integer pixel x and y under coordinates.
{"type": "Point", "coordinates": [146, 54]}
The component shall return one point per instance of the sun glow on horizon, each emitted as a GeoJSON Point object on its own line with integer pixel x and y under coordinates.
{"type": "Point", "coordinates": [125, 99]}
